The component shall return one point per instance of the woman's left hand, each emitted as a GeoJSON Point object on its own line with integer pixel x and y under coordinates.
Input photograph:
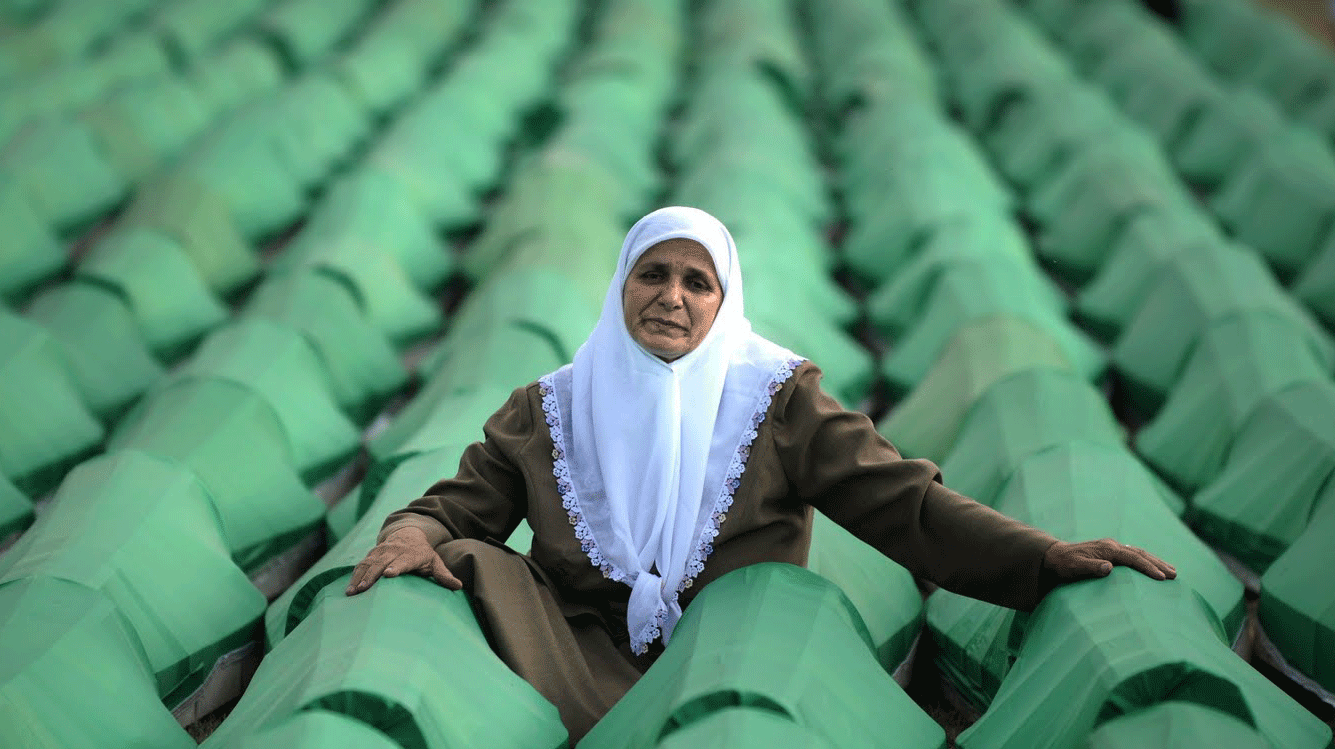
{"type": "Point", "coordinates": [1078, 561]}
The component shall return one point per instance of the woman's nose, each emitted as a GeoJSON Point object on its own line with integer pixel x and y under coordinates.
{"type": "Point", "coordinates": [671, 298]}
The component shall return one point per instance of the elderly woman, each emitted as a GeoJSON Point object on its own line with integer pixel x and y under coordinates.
{"type": "Point", "coordinates": [678, 446]}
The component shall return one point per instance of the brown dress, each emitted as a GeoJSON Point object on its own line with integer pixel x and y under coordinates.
{"type": "Point", "coordinates": [561, 625]}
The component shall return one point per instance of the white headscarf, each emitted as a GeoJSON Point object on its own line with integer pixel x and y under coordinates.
{"type": "Point", "coordinates": [648, 453]}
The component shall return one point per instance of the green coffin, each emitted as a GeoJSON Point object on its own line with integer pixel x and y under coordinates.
{"type": "Point", "coordinates": [15, 509]}
{"type": "Point", "coordinates": [371, 210]}
{"type": "Point", "coordinates": [72, 673]}
{"type": "Point", "coordinates": [1237, 362]}
{"type": "Point", "coordinates": [403, 646]}
{"type": "Point", "coordinates": [1110, 647]}
{"type": "Point", "coordinates": [1281, 200]}
{"type": "Point", "coordinates": [976, 293]}
{"type": "Point", "coordinates": [197, 217]}
{"type": "Point", "coordinates": [145, 534]}
{"type": "Point", "coordinates": [62, 170]}
{"type": "Point", "coordinates": [1297, 606]}
{"type": "Point", "coordinates": [316, 729]}
{"type": "Point", "coordinates": [1020, 415]}
{"type": "Point", "coordinates": [144, 125]}
{"type": "Point", "coordinates": [306, 30]}
{"type": "Point", "coordinates": [926, 423]}
{"type": "Point", "coordinates": [44, 425]}
{"type": "Point", "coordinates": [1177, 725]}
{"type": "Point", "coordinates": [238, 71]}
{"type": "Point", "coordinates": [436, 416]}
{"type": "Point", "coordinates": [233, 440]}
{"type": "Point", "coordinates": [902, 300]}
{"type": "Point", "coordinates": [361, 364]}
{"type": "Point", "coordinates": [1226, 133]}
{"type": "Point", "coordinates": [1195, 290]}
{"type": "Point", "coordinates": [282, 366]}
{"type": "Point", "coordinates": [772, 638]}
{"type": "Point", "coordinates": [1315, 286]}
{"type": "Point", "coordinates": [1111, 299]}
{"type": "Point", "coordinates": [100, 342]}
{"type": "Point", "coordinates": [1276, 476]}
{"type": "Point", "coordinates": [30, 253]}
{"type": "Point", "coordinates": [388, 489]}
{"type": "Point", "coordinates": [166, 294]}
{"type": "Point", "coordinates": [884, 593]}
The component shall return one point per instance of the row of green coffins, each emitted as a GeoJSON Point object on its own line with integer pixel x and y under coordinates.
{"type": "Point", "coordinates": [1197, 322]}
{"type": "Point", "coordinates": [296, 360]}
{"type": "Point", "coordinates": [219, 131]}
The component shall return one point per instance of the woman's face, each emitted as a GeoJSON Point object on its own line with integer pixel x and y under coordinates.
{"type": "Point", "coordinates": [671, 298]}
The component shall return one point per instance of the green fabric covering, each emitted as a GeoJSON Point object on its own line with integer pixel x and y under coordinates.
{"type": "Point", "coordinates": [1236, 363]}
{"type": "Point", "coordinates": [385, 293]}
{"type": "Point", "coordinates": [540, 299]}
{"type": "Point", "coordinates": [973, 653]}
{"type": "Point", "coordinates": [866, 54]}
{"type": "Point", "coordinates": [15, 509]}
{"type": "Point", "coordinates": [849, 368]}
{"type": "Point", "coordinates": [1100, 649]}
{"type": "Point", "coordinates": [372, 211]}
{"type": "Point", "coordinates": [234, 442]}
{"type": "Point", "coordinates": [925, 424]}
{"type": "Point", "coordinates": [1245, 510]}
{"type": "Point", "coordinates": [884, 593]}
{"type": "Point", "coordinates": [244, 163]}
{"type": "Point", "coordinates": [1297, 607]}
{"type": "Point", "coordinates": [44, 425]}
{"type": "Point", "coordinates": [1293, 63]}
{"type": "Point", "coordinates": [1111, 299]}
{"type": "Point", "coordinates": [362, 366]}
{"type": "Point", "coordinates": [1082, 208]}
{"type": "Point", "coordinates": [1018, 416]}
{"type": "Point", "coordinates": [510, 355]}
{"type": "Point", "coordinates": [1315, 287]}
{"type": "Point", "coordinates": [65, 175]}
{"type": "Point", "coordinates": [192, 27]}
{"type": "Point", "coordinates": [100, 342]}
{"type": "Point", "coordinates": [315, 124]}
{"type": "Point", "coordinates": [316, 729]}
{"type": "Point", "coordinates": [790, 279]}
{"type": "Point", "coordinates": [742, 727]}
{"type": "Point", "coordinates": [1225, 134]}
{"type": "Point", "coordinates": [72, 673]}
{"type": "Point", "coordinates": [1224, 34]}
{"type": "Point", "coordinates": [383, 494]}
{"type": "Point", "coordinates": [392, 56]}
{"type": "Point", "coordinates": [1083, 490]}
{"type": "Point", "coordinates": [198, 218]}
{"type": "Point", "coordinates": [382, 679]}
{"type": "Point", "coordinates": [282, 366]}
{"type": "Point", "coordinates": [1033, 137]}
{"type": "Point", "coordinates": [1176, 725]}
{"type": "Point", "coordinates": [1319, 113]}
{"type": "Point", "coordinates": [142, 126]}
{"type": "Point", "coordinates": [1001, 74]}
{"type": "Point", "coordinates": [30, 253]}
{"type": "Point", "coordinates": [994, 241]}
{"type": "Point", "coordinates": [1101, 31]}
{"type": "Point", "coordinates": [1281, 200]}
{"type": "Point", "coordinates": [1193, 291]}
{"type": "Point", "coordinates": [732, 181]}
{"type": "Point", "coordinates": [775, 638]}
{"type": "Point", "coordinates": [1155, 81]}
{"type": "Point", "coordinates": [242, 69]}
{"type": "Point", "coordinates": [438, 415]}
{"type": "Point", "coordinates": [306, 30]}
{"type": "Point", "coordinates": [144, 533]}
{"type": "Point", "coordinates": [970, 293]}
{"type": "Point", "coordinates": [167, 297]}
{"type": "Point", "coordinates": [920, 202]}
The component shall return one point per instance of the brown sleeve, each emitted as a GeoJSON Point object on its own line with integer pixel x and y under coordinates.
{"type": "Point", "coordinates": [487, 498]}
{"type": "Point", "coordinates": [838, 463]}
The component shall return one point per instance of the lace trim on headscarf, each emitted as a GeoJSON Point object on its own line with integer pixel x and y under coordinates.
{"type": "Point", "coordinates": [696, 564]}
{"type": "Point", "coordinates": [561, 470]}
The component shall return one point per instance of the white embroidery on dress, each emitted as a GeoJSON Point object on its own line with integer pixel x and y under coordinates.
{"type": "Point", "coordinates": [705, 545]}
{"type": "Point", "coordinates": [733, 479]}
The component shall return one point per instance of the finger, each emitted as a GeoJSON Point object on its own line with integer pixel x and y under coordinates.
{"type": "Point", "coordinates": [442, 575]}
{"type": "Point", "coordinates": [1089, 566]}
{"type": "Point", "coordinates": [368, 572]}
{"type": "Point", "coordinates": [1141, 561]}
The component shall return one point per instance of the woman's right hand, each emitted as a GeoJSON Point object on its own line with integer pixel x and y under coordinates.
{"type": "Point", "coordinates": [404, 550]}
